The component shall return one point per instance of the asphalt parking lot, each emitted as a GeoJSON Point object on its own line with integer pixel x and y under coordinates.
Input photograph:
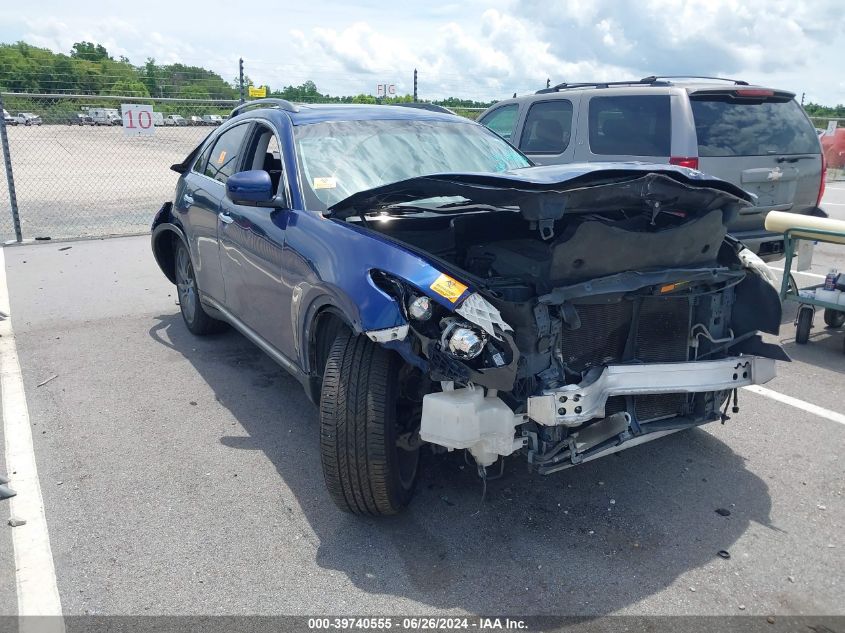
{"type": "Point", "coordinates": [181, 476]}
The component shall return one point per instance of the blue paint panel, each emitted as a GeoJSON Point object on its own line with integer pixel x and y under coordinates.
{"type": "Point", "coordinates": [250, 186]}
{"type": "Point", "coordinates": [337, 258]}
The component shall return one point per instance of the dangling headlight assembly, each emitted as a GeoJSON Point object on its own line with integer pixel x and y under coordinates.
{"type": "Point", "coordinates": [420, 308]}
{"type": "Point", "coordinates": [462, 340]}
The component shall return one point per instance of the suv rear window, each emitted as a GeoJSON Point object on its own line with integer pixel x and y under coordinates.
{"type": "Point", "coordinates": [728, 127]}
{"type": "Point", "coordinates": [636, 125]}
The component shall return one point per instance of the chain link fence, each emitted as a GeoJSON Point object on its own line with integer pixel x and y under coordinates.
{"type": "Point", "coordinates": [75, 172]}
{"type": "Point", "coordinates": [77, 175]}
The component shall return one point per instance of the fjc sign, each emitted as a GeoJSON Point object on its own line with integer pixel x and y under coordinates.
{"type": "Point", "coordinates": [137, 119]}
{"type": "Point", "coordinates": [385, 90]}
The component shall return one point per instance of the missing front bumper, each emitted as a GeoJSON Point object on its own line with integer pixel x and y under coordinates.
{"type": "Point", "coordinates": [572, 405]}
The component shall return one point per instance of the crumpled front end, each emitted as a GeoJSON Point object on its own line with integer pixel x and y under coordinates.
{"type": "Point", "coordinates": [574, 323]}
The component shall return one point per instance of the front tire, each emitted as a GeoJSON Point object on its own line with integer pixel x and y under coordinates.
{"type": "Point", "coordinates": [361, 419]}
{"type": "Point", "coordinates": [196, 319]}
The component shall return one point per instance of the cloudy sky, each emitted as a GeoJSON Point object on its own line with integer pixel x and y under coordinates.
{"type": "Point", "coordinates": [480, 49]}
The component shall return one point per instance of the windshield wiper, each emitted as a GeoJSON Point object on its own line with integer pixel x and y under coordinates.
{"type": "Point", "coordinates": [474, 205]}
{"type": "Point", "coordinates": [795, 159]}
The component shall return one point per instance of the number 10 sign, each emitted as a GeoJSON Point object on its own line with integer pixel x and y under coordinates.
{"type": "Point", "coordinates": [137, 119]}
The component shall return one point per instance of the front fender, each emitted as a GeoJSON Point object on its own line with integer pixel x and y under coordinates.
{"type": "Point", "coordinates": [336, 260]}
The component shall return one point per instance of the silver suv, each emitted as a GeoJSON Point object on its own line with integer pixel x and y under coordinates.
{"type": "Point", "coordinates": [757, 138]}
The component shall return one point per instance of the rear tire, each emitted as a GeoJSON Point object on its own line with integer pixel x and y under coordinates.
{"type": "Point", "coordinates": [805, 322]}
{"type": "Point", "coordinates": [196, 319]}
{"type": "Point", "coordinates": [834, 318]}
{"type": "Point", "coordinates": [365, 471]}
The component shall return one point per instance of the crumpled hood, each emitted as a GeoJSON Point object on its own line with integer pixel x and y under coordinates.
{"type": "Point", "coordinates": [545, 192]}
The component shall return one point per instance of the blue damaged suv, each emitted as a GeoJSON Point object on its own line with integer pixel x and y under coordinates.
{"type": "Point", "coordinates": [429, 286]}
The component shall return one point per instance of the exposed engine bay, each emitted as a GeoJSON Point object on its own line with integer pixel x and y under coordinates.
{"type": "Point", "coordinates": [595, 317]}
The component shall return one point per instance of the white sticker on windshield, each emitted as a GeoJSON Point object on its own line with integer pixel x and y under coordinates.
{"type": "Point", "coordinates": [326, 182]}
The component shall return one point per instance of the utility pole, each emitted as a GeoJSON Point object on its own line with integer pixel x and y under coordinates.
{"type": "Point", "coordinates": [415, 85]}
{"type": "Point", "coordinates": [241, 77]}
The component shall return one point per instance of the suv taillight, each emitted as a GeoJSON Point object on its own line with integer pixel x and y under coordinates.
{"type": "Point", "coordinates": [684, 161]}
{"type": "Point", "coordinates": [754, 92]}
{"type": "Point", "coordinates": [822, 183]}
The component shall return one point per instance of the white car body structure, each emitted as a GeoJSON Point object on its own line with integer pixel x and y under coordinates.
{"type": "Point", "coordinates": [27, 118]}
{"type": "Point", "coordinates": [105, 116]}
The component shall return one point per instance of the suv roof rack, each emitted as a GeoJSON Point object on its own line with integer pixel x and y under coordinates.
{"type": "Point", "coordinates": [599, 84]}
{"type": "Point", "coordinates": [652, 80]}
{"type": "Point", "coordinates": [281, 104]}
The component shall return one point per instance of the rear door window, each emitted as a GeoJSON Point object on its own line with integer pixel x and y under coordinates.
{"type": "Point", "coordinates": [636, 125]}
{"type": "Point", "coordinates": [548, 127]}
{"type": "Point", "coordinates": [502, 120]}
{"type": "Point", "coordinates": [731, 127]}
{"type": "Point", "coordinates": [202, 160]}
{"type": "Point", "coordinates": [225, 156]}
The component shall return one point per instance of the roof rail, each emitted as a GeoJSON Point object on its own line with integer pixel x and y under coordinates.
{"type": "Point", "coordinates": [600, 84]}
{"type": "Point", "coordinates": [281, 104]}
{"type": "Point", "coordinates": [654, 78]}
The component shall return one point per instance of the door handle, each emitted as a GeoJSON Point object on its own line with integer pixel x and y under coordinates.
{"type": "Point", "coordinates": [225, 218]}
{"type": "Point", "coordinates": [188, 200]}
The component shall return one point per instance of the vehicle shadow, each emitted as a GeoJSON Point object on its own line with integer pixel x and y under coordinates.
{"type": "Point", "coordinates": [587, 541]}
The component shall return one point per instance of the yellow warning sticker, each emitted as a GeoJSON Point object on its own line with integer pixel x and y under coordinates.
{"type": "Point", "coordinates": [326, 182]}
{"type": "Point", "coordinates": [222, 157]}
{"type": "Point", "coordinates": [447, 287]}
{"type": "Point", "coordinates": [672, 287]}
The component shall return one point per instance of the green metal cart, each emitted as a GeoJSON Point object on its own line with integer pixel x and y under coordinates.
{"type": "Point", "coordinates": [834, 313]}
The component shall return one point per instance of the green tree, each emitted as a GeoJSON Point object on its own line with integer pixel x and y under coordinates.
{"type": "Point", "coordinates": [193, 91]}
{"type": "Point", "coordinates": [89, 51]}
{"type": "Point", "coordinates": [150, 76]}
{"type": "Point", "coordinates": [127, 88]}
{"type": "Point", "coordinates": [816, 110]}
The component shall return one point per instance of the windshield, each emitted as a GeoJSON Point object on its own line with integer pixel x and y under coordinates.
{"type": "Point", "coordinates": [339, 158]}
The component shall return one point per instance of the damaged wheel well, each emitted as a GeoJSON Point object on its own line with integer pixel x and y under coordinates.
{"type": "Point", "coordinates": [327, 326]}
{"type": "Point", "coordinates": [164, 249]}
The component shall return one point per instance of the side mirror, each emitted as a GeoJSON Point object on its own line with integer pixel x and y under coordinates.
{"type": "Point", "coordinates": [252, 187]}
